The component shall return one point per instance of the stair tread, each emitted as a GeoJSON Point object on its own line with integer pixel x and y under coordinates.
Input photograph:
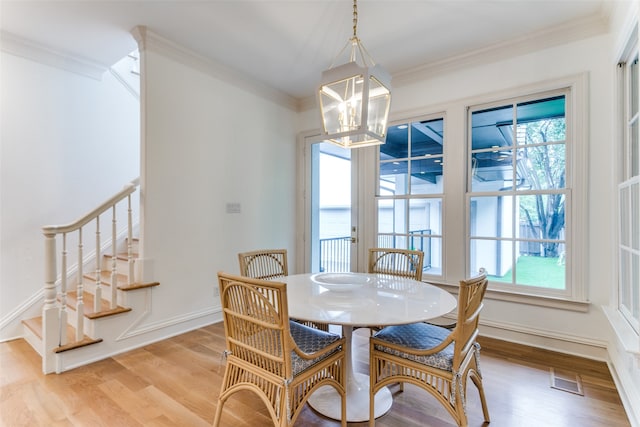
{"type": "Point", "coordinates": [139, 285]}
{"type": "Point", "coordinates": [35, 324]}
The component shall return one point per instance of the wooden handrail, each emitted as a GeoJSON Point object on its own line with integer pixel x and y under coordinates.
{"type": "Point", "coordinates": [107, 204]}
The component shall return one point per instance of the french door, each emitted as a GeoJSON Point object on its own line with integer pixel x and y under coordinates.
{"type": "Point", "coordinates": [336, 235]}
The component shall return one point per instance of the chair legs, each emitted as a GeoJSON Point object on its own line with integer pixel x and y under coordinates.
{"type": "Point", "coordinates": [477, 380]}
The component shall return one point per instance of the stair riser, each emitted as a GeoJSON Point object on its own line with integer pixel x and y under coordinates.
{"type": "Point", "coordinates": [33, 340]}
{"type": "Point", "coordinates": [89, 325]}
{"type": "Point", "coordinates": [90, 287]}
{"type": "Point", "coordinates": [122, 265]}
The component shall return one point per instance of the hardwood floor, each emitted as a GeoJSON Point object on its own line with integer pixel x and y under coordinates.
{"type": "Point", "coordinates": [176, 382]}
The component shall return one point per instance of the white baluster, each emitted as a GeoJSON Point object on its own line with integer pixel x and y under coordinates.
{"type": "Point", "coordinates": [130, 279]}
{"type": "Point", "coordinates": [98, 294]}
{"type": "Point", "coordinates": [114, 254]}
{"type": "Point", "coordinates": [63, 292]}
{"type": "Point", "coordinates": [80, 291]}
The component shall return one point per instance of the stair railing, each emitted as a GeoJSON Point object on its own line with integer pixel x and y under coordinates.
{"type": "Point", "coordinates": [54, 312]}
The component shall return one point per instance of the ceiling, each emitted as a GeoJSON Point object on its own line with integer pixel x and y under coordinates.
{"type": "Point", "coordinates": [286, 44]}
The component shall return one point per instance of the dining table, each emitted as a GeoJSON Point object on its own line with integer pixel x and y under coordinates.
{"type": "Point", "coordinates": [353, 300]}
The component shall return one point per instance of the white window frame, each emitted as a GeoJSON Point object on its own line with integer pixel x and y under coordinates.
{"type": "Point", "coordinates": [428, 273]}
{"type": "Point", "coordinates": [575, 296]}
{"type": "Point", "coordinates": [628, 183]}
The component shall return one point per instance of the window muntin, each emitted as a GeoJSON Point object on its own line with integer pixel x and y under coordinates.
{"type": "Point", "coordinates": [410, 189]}
{"type": "Point", "coordinates": [517, 193]}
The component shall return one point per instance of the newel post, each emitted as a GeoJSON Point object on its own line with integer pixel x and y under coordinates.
{"type": "Point", "coordinates": [50, 311]}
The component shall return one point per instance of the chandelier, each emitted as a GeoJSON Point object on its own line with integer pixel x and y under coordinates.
{"type": "Point", "coordinates": [354, 98]}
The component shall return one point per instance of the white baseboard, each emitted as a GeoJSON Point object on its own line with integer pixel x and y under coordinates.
{"type": "Point", "coordinates": [11, 324]}
{"type": "Point", "coordinates": [549, 340]}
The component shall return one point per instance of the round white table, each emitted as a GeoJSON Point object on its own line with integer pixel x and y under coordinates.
{"type": "Point", "coordinates": [361, 299]}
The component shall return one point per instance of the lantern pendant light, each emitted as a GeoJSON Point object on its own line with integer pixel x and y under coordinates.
{"type": "Point", "coordinates": [355, 97]}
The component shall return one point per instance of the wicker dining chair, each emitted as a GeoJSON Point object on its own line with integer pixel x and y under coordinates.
{"type": "Point", "coordinates": [270, 264]}
{"type": "Point", "coordinates": [397, 262]}
{"type": "Point", "coordinates": [265, 264]}
{"type": "Point", "coordinates": [281, 361]}
{"type": "Point", "coordinates": [438, 360]}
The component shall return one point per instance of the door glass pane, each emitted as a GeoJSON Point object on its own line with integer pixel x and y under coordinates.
{"type": "Point", "coordinates": [331, 208]}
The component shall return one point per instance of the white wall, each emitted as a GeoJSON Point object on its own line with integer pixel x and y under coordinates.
{"type": "Point", "coordinates": [208, 143]}
{"type": "Point", "coordinates": [68, 142]}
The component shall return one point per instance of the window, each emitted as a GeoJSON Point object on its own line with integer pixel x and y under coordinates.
{"type": "Point", "coordinates": [518, 195]}
{"type": "Point", "coordinates": [629, 194]}
{"type": "Point", "coordinates": [410, 189]}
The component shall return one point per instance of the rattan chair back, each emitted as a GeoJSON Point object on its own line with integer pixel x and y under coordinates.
{"type": "Point", "coordinates": [397, 262]}
{"type": "Point", "coordinates": [266, 264]}
{"type": "Point", "coordinates": [270, 264]}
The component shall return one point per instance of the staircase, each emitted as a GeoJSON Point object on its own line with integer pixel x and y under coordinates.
{"type": "Point", "coordinates": [86, 315]}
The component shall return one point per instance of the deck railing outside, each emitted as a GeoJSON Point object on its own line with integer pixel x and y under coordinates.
{"type": "Point", "coordinates": [335, 252]}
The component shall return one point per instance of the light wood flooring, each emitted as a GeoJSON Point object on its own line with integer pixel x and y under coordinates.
{"type": "Point", "coordinates": [176, 382]}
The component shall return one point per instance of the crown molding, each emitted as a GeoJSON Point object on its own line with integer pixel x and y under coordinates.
{"type": "Point", "coordinates": [580, 29]}
{"type": "Point", "coordinates": [148, 40]}
{"type": "Point", "coordinates": [18, 46]}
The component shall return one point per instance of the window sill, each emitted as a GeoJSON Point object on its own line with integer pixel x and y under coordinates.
{"type": "Point", "coordinates": [625, 333]}
{"type": "Point", "coordinates": [542, 301]}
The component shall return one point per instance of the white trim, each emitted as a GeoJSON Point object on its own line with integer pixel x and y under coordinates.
{"type": "Point", "coordinates": [187, 317]}
{"type": "Point", "coordinates": [18, 312]}
{"type": "Point", "coordinates": [544, 339]}
{"type": "Point", "coordinates": [529, 299]}
{"type": "Point", "coordinates": [629, 395]}
{"type": "Point", "coordinates": [624, 332]}
{"type": "Point", "coordinates": [148, 40]}
{"type": "Point", "coordinates": [28, 49]}
{"type": "Point", "coordinates": [623, 360]}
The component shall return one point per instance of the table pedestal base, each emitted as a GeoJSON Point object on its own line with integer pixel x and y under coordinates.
{"type": "Point", "coordinates": [326, 400]}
